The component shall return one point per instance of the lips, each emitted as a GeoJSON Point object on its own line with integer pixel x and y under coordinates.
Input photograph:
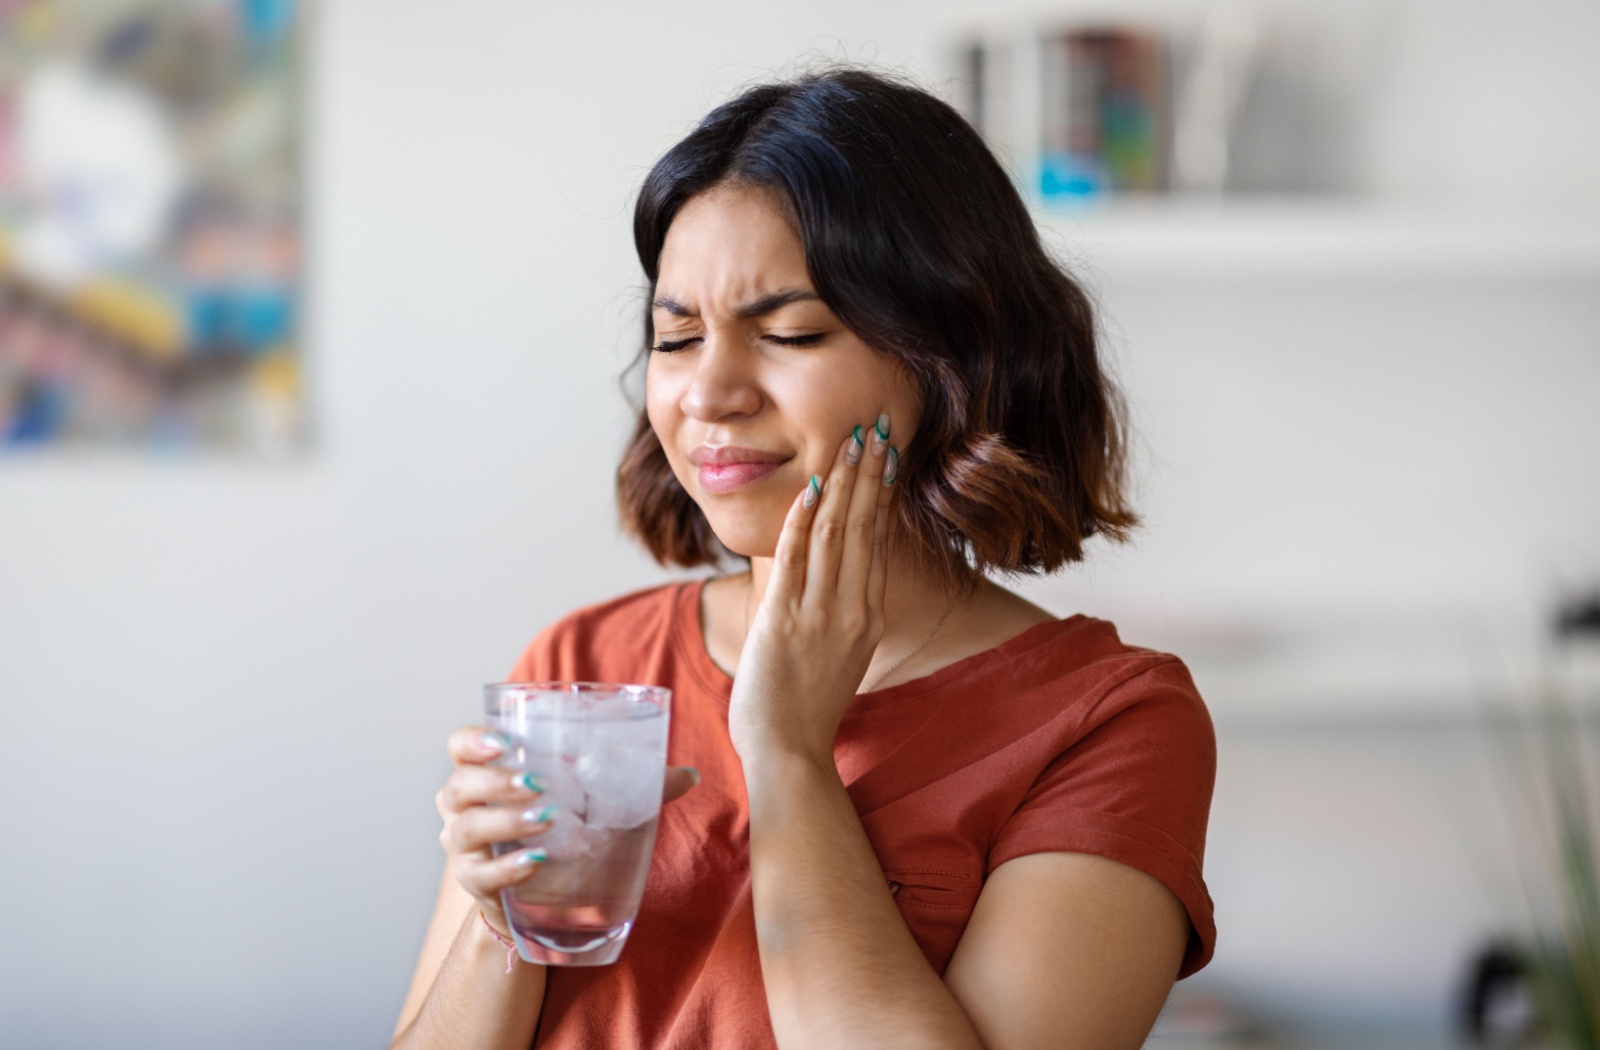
{"type": "Point", "coordinates": [735, 475]}
{"type": "Point", "coordinates": [731, 467]}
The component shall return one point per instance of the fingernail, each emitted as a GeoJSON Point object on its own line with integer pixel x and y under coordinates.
{"type": "Point", "coordinates": [694, 774]}
{"type": "Point", "coordinates": [495, 742]}
{"type": "Point", "coordinates": [529, 782]}
{"type": "Point", "coordinates": [880, 434]}
{"type": "Point", "coordinates": [542, 815]}
{"type": "Point", "coordinates": [893, 467]}
{"type": "Point", "coordinates": [529, 857]}
{"type": "Point", "coordinates": [852, 454]}
{"type": "Point", "coordinates": [813, 490]}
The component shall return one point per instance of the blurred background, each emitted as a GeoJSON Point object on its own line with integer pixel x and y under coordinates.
{"type": "Point", "coordinates": [149, 225]}
{"type": "Point", "coordinates": [311, 320]}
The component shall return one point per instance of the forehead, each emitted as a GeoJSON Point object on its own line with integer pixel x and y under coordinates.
{"type": "Point", "coordinates": [729, 245]}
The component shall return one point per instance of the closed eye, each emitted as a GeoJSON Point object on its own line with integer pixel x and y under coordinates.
{"type": "Point", "coordinates": [667, 346]}
{"type": "Point", "coordinates": [796, 340]}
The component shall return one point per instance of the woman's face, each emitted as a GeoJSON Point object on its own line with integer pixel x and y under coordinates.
{"type": "Point", "coordinates": [757, 383]}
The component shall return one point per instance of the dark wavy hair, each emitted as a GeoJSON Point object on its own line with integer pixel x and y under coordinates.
{"type": "Point", "coordinates": [917, 239]}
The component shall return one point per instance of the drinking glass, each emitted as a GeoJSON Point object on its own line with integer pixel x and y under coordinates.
{"type": "Point", "coordinates": [601, 750]}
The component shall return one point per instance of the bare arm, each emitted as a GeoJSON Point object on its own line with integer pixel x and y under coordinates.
{"type": "Point", "coordinates": [460, 994]}
{"type": "Point", "coordinates": [1062, 950]}
{"type": "Point", "coordinates": [1068, 949]}
{"type": "Point", "coordinates": [840, 966]}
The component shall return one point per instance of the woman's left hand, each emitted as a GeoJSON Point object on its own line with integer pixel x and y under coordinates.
{"type": "Point", "coordinates": [813, 637]}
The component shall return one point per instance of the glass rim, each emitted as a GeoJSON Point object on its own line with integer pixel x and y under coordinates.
{"type": "Point", "coordinates": [580, 688]}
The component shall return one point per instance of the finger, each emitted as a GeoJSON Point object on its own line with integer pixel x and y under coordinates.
{"type": "Point", "coordinates": [482, 785]}
{"type": "Point", "coordinates": [481, 827]}
{"type": "Point", "coordinates": [860, 525]}
{"type": "Point", "coordinates": [788, 579]}
{"type": "Point", "coordinates": [679, 781]}
{"type": "Point", "coordinates": [884, 458]}
{"type": "Point", "coordinates": [484, 878]}
{"type": "Point", "coordinates": [476, 745]}
{"type": "Point", "coordinates": [828, 530]}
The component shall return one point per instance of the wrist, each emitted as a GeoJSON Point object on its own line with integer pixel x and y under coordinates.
{"type": "Point", "coordinates": [785, 768]}
{"type": "Point", "coordinates": [492, 923]}
{"type": "Point", "coordinates": [770, 745]}
{"type": "Point", "coordinates": [492, 938]}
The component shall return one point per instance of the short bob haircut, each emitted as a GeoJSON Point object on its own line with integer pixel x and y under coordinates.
{"type": "Point", "coordinates": [917, 240]}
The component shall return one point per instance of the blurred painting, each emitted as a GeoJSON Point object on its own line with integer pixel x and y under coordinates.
{"type": "Point", "coordinates": [150, 225]}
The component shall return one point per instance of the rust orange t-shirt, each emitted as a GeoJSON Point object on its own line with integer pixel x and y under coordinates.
{"type": "Point", "coordinates": [1062, 738]}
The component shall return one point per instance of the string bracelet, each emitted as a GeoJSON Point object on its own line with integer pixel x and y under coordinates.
{"type": "Point", "coordinates": [511, 946]}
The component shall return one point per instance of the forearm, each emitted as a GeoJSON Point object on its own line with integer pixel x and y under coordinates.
{"type": "Point", "coordinates": [841, 968]}
{"type": "Point", "coordinates": [473, 1001]}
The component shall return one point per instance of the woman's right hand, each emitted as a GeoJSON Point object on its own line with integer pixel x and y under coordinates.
{"type": "Point", "coordinates": [483, 804]}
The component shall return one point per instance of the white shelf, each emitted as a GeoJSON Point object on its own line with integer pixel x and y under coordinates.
{"type": "Point", "coordinates": [1403, 674]}
{"type": "Point", "coordinates": [1293, 239]}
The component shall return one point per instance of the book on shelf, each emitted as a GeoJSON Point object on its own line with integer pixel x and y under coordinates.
{"type": "Point", "coordinates": [1078, 113]}
{"type": "Point", "coordinates": [1103, 113]}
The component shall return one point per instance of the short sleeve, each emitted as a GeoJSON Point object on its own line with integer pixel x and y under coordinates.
{"type": "Point", "coordinates": [1133, 785]}
{"type": "Point", "coordinates": [537, 661]}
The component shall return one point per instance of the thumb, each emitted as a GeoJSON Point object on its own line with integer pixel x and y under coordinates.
{"type": "Point", "coordinates": [679, 780]}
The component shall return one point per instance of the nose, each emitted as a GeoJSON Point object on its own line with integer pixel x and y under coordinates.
{"type": "Point", "coordinates": [723, 383]}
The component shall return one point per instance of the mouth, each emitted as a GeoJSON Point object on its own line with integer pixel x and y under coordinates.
{"type": "Point", "coordinates": [730, 468]}
{"type": "Point", "coordinates": [729, 477]}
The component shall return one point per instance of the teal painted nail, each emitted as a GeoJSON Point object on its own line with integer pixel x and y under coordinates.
{"type": "Point", "coordinates": [541, 815]}
{"type": "Point", "coordinates": [852, 455]}
{"type": "Point", "coordinates": [694, 774]}
{"type": "Point", "coordinates": [493, 741]}
{"type": "Point", "coordinates": [893, 468]}
{"type": "Point", "coordinates": [813, 492]}
{"type": "Point", "coordinates": [882, 426]}
{"type": "Point", "coordinates": [530, 782]}
{"type": "Point", "coordinates": [529, 857]}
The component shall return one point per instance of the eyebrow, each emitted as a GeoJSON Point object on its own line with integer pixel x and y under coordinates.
{"type": "Point", "coordinates": [760, 308]}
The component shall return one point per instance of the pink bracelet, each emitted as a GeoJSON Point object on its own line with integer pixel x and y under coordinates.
{"type": "Point", "coordinates": [511, 946]}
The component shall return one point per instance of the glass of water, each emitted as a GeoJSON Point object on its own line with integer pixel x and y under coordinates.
{"type": "Point", "coordinates": [601, 750]}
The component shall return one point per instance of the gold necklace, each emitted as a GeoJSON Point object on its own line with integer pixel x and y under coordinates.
{"type": "Point", "coordinates": [750, 593]}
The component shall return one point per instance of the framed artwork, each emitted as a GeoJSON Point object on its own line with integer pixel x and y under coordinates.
{"type": "Point", "coordinates": [150, 225]}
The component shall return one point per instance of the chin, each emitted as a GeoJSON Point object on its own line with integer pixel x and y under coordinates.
{"type": "Point", "coordinates": [746, 536]}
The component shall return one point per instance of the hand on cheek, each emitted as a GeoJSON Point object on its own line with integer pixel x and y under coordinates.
{"type": "Point", "coordinates": [812, 638]}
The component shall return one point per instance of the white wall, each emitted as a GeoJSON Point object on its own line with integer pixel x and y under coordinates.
{"type": "Point", "coordinates": [225, 686]}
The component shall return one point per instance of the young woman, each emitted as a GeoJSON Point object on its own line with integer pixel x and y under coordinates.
{"type": "Point", "coordinates": [924, 812]}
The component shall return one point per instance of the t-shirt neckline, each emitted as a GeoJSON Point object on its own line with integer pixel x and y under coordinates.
{"type": "Point", "coordinates": [692, 642]}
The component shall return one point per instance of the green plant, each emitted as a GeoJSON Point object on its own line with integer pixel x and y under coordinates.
{"type": "Point", "coordinates": [1546, 758]}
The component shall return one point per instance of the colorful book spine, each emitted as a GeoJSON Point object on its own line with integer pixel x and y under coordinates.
{"type": "Point", "coordinates": [1080, 113]}
{"type": "Point", "coordinates": [1104, 113]}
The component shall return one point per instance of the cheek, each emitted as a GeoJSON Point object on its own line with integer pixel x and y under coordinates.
{"type": "Point", "coordinates": [661, 400]}
{"type": "Point", "coordinates": [659, 403]}
{"type": "Point", "coordinates": [880, 385]}
{"type": "Point", "coordinates": [903, 401]}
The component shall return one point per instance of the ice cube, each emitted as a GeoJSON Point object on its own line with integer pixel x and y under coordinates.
{"type": "Point", "coordinates": [612, 708]}
{"type": "Point", "coordinates": [541, 724]}
{"type": "Point", "coordinates": [645, 731]}
{"type": "Point", "coordinates": [566, 839]}
{"type": "Point", "coordinates": [623, 783]}
{"type": "Point", "coordinates": [563, 788]}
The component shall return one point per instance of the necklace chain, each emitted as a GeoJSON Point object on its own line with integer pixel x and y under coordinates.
{"type": "Point", "coordinates": [896, 665]}
{"type": "Point", "coordinates": [750, 593]}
